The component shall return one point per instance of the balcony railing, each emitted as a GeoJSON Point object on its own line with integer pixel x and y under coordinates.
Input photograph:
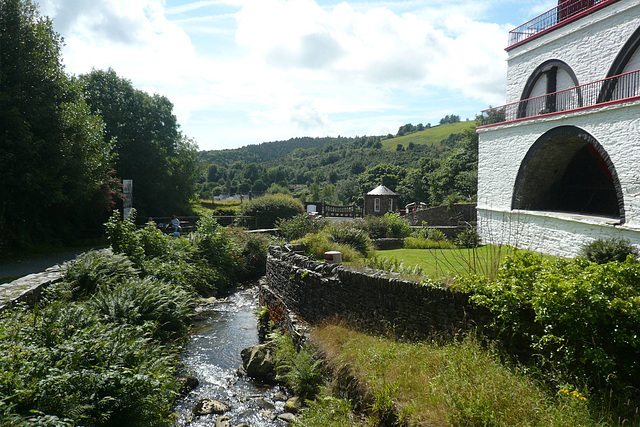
{"type": "Point", "coordinates": [616, 88]}
{"type": "Point", "coordinates": [559, 14]}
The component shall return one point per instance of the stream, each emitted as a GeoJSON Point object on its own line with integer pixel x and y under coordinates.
{"type": "Point", "coordinates": [213, 356]}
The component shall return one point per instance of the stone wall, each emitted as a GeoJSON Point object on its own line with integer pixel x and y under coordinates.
{"type": "Point", "coordinates": [27, 289]}
{"type": "Point", "coordinates": [318, 292]}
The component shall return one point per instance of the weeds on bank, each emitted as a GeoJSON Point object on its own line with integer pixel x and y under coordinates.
{"type": "Point", "coordinates": [453, 384]}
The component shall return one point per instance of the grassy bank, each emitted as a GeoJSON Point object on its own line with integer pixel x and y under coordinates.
{"type": "Point", "coordinates": [427, 384]}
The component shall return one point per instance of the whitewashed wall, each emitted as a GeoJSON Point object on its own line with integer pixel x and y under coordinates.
{"type": "Point", "coordinates": [589, 46]}
{"type": "Point", "coordinates": [546, 233]}
{"type": "Point", "coordinates": [502, 149]}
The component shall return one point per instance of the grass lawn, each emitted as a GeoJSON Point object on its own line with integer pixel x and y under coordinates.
{"type": "Point", "coordinates": [429, 136]}
{"type": "Point", "coordinates": [443, 263]}
{"type": "Point", "coordinates": [204, 206]}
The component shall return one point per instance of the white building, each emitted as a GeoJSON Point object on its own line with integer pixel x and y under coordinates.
{"type": "Point", "coordinates": [561, 166]}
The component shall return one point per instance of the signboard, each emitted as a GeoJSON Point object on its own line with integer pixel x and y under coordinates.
{"type": "Point", "coordinates": [127, 196]}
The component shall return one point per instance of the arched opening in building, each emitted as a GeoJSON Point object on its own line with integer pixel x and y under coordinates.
{"type": "Point", "coordinates": [547, 79]}
{"type": "Point", "coordinates": [627, 61]}
{"type": "Point", "coordinates": [567, 170]}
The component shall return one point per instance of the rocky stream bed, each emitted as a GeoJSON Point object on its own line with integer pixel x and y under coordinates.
{"type": "Point", "coordinates": [224, 397]}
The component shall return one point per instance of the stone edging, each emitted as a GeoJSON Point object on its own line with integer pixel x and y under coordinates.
{"type": "Point", "coordinates": [27, 289]}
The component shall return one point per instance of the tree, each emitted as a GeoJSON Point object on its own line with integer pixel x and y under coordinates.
{"type": "Point", "coordinates": [457, 175]}
{"type": "Point", "coordinates": [54, 161]}
{"type": "Point", "coordinates": [390, 176]}
{"type": "Point", "coordinates": [151, 150]}
{"type": "Point", "coordinates": [448, 119]}
{"type": "Point", "coordinates": [213, 172]}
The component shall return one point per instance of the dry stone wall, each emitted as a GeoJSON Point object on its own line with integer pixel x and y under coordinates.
{"type": "Point", "coordinates": [318, 292]}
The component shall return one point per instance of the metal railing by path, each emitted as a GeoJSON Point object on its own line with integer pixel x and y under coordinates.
{"type": "Point", "coordinates": [563, 13]}
{"type": "Point", "coordinates": [188, 223]}
{"type": "Point", "coordinates": [616, 88]}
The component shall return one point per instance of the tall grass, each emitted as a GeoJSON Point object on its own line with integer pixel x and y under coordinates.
{"type": "Point", "coordinates": [458, 384]}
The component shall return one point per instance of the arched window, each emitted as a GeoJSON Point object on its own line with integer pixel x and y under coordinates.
{"type": "Point", "coordinates": [627, 60]}
{"type": "Point", "coordinates": [550, 77]}
{"type": "Point", "coordinates": [567, 170]}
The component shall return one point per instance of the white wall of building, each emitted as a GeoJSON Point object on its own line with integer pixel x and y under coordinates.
{"type": "Point", "coordinates": [546, 233]}
{"type": "Point", "coordinates": [502, 149]}
{"type": "Point", "coordinates": [589, 46]}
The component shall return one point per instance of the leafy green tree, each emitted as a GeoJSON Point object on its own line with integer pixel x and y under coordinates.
{"type": "Point", "coordinates": [390, 176]}
{"type": "Point", "coordinates": [151, 150]}
{"type": "Point", "coordinates": [448, 119]}
{"type": "Point", "coordinates": [214, 172]}
{"type": "Point", "coordinates": [457, 175]}
{"type": "Point", "coordinates": [54, 162]}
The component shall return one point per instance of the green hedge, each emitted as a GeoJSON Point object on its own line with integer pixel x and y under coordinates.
{"type": "Point", "coordinates": [268, 209]}
{"type": "Point", "coordinates": [581, 320]}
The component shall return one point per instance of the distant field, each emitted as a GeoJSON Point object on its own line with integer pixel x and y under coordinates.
{"type": "Point", "coordinates": [429, 136]}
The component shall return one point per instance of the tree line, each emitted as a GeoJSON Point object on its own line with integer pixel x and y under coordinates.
{"type": "Point", "coordinates": [66, 142]}
{"type": "Point", "coordinates": [342, 171]}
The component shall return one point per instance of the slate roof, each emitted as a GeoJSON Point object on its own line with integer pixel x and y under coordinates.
{"type": "Point", "coordinates": [381, 190]}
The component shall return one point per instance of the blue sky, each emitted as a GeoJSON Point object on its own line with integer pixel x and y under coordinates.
{"type": "Point", "coordinates": [243, 72]}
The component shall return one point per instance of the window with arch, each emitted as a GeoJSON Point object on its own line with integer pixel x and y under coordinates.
{"type": "Point", "coordinates": [627, 61]}
{"type": "Point", "coordinates": [542, 87]}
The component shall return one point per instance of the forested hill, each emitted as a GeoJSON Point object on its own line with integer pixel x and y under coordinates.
{"type": "Point", "coordinates": [269, 151]}
{"type": "Point", "coordinates": [429, 165]}
{"type": "Point", "coordinates": [266, 151]}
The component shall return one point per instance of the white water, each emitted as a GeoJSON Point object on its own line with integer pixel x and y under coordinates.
{"type": "Point", "coordinates": [213, 356]}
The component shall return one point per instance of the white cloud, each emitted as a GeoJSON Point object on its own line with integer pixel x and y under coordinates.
{"type": "Point", "coordinates": [292, 66]}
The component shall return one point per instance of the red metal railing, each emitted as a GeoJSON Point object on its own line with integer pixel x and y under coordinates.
{"type": "Point", "coordinates": [614, 88]}
{"type": "Point", "coordinates": [559, 14]}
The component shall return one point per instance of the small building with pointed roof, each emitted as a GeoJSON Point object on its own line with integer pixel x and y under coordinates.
{"type": "Point", "coordinates": [380, 200]}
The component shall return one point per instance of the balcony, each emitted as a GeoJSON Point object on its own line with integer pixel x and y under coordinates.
{"type": "Point", "coordinates": [621, 88]}
{"type": "Point", "coordinates": [567, 11]}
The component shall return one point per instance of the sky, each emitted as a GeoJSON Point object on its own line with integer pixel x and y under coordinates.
{"type": "Point", "coordinates": [242, 72]}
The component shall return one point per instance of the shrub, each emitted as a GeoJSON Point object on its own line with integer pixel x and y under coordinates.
{"type": "Point", "coordinates": [299, 369]}
{"type": "Point", "coordinates": [195, 275]}
{"type": "Point", "coordinates": [299, 226]}
{"type": "Point", "coordinates": [317, 244]}
{"type": "Point", "coordinates": [602, 251]}
{"type": "Point", "coordinates": [162, 307]}
{"type": "Point", "coordinates": [61, 366]}
{"type": "Point", "coordinates": [253, 254]}
{"type": "Point", "coordinates": [579, 317]}
{"type": "Point", "coordinates": [351, 236]}
{"type": "Point", "coordinates": [390, 225]}
{"type": "Point", "coordinates": [429, 234]}
{"type": "Point", "coordinates": [268, 209]}
{"type": "Point", "coordinates": [214, 243]}
{"type": "Point", "coordinates": [468, 238]}
{"type": "Point", "coordinates": [123, 238]}
{"type": "Point", "coordinates": [91, 269]}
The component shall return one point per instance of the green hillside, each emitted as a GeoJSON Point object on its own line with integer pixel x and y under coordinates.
{"type": "Point", "coordinates": [432, 136]}
{"type": "Point", "coordinates": [430, 165]}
